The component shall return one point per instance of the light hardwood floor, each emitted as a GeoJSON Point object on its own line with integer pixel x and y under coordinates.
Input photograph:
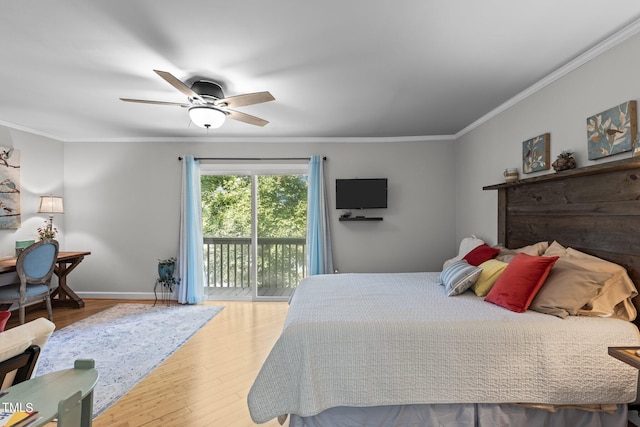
{"type": "Point", "coordinates": [205, 382]}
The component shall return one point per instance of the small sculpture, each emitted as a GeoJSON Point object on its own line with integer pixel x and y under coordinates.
{"type": "Point", "coordinates": [564, 161]}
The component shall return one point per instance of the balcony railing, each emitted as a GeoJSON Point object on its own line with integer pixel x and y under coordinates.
{"type": "Point", "coordinates": [281, 262]}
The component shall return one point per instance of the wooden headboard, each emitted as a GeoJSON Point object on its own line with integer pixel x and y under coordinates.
{"type": "Point", "coordinates": [594, 209]}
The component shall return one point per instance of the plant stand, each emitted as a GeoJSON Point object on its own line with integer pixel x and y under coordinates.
{"type": "Point", "coordinates": [166, 289]}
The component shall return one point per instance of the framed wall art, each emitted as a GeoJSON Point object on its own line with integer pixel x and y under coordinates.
{"type": "Point", "coordinates": [535, 153]}
{"type": "Point", "coordinates": [613, 131]}
{"type": "Point", "coordinates": [9, 188]}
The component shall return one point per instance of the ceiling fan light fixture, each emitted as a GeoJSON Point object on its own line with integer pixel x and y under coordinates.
{"type": "Point", "coordinates": [206, 116]}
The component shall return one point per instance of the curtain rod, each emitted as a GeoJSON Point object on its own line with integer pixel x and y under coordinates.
{"type": "Point", "coordinates": [252, 158]}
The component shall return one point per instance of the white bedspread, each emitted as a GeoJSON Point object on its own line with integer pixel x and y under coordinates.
{"type": "Point", "coordinates": [394, 339]}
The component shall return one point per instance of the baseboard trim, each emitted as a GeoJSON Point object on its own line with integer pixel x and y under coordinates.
{"type": "Point", "coordinates": [151, 296]}
{"type": "Point", "coordinates": [119, 295]}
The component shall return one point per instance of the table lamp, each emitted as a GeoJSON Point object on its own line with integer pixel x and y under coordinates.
{"type": "Point", "coordinates": [51, 205]}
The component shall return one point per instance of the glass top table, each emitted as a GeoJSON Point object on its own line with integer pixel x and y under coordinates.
{"type": "Point", "coordinates": [66, 395]}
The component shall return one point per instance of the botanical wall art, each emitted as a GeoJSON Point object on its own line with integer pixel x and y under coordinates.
{"type": "Point", "coordinates": [9, 188]}
{"type": "Point", "coordinates": [612, 131]}
{"type": "Point", "coordinates": [535, 153]}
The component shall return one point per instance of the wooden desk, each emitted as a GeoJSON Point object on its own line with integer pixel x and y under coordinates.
{"type": "Point", "coordinates": [63, 295]}
{"type": "Point", "coordinates": [66, 395]}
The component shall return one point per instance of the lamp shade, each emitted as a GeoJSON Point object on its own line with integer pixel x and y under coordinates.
{"type": "Point", "coordinates": [51, 205]}
{"type": "Point", "coordinates": [206, 116]}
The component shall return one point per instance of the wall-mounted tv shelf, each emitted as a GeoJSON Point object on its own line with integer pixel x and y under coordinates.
{"type": "Point", "coordinates": [361, 218]}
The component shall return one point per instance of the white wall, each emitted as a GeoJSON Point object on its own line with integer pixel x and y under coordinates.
{"type": "Point", "coordinates": [561, 109]}
{"type": "Point", "coordinates": [122, 204]}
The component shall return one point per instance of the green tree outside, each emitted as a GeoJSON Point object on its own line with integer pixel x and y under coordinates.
{"type": "Point", "coordinates": [282, 206]}
{"type": "Point", "coordinates": [226, 205]}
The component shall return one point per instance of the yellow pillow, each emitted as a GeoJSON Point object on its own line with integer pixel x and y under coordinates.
{"type": "Point", "coordinates": [491, 270]}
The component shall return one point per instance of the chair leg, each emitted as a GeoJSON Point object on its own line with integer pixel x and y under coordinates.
{"type": "Point", "coordinates": [21, 314]}
{"type": "Point", "coordinates": [49, 310]}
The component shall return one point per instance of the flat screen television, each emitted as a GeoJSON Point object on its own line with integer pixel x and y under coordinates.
{"type": "Point", "coordinates": [367, 193]}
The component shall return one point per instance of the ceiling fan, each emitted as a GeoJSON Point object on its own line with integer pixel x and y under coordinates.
{"type": "Point", "coordinates": [208, 107]}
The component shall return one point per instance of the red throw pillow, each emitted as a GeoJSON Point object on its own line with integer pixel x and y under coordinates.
{"type": "Point", "coordinates": [481, 254]}
{"type": "Point", "coordinates": [4, 316]}
{"type": "Point", "coordinates": [520, 282]}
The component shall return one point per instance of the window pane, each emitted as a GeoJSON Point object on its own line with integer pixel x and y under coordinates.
{"type": "Point", "coordinates": [226, 221]}
{"type": "Point", "coordinates": [282, 225]}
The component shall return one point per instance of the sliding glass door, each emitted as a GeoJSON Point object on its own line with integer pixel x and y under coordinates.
{"type": "Point", "coordinates": [254, 227]}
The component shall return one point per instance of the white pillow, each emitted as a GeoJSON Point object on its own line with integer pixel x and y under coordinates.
{"type": "Point", "coordinates": [466, 245]}
{"type": "Point", "coordinates": [459, 277]}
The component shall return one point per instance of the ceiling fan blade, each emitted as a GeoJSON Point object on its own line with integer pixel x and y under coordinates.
{"type": "Point", "coordinates": [175, 82]}
{"type": "Point", "coordinates": [144, 101]}
{"type": "Point", "coordinates": [246, 99]}
{"type": "Point", "coordinates": [247, 118]}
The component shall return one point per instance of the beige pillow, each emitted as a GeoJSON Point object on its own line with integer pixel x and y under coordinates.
{"type": "Point", "coordinates": [466, 245]}
{"type": "Point", "coordinates": [491, 270]}
{"type": "Point", "coordinates": [567, 289]}
{"type": "Point", "coordinates": [506, 255]}
{"type": "Point", "coordinates": [614, 298]}
{"type": "Point", "coordinates": [555, 249]}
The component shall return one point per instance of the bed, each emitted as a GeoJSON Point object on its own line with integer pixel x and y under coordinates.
{"type": "Point", "coordinates": [397, 350]}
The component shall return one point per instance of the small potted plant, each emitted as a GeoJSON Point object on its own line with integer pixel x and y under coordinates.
{"type": "Point", "coordinates": [47, 232]}
{"type": "Point", "coordinates": [564, 161]}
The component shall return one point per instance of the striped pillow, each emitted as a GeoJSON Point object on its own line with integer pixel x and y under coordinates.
{"type": "Point", "coordinates": [458, 277]}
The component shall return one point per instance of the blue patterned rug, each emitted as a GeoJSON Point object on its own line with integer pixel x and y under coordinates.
{"type": "Point", "coordinates": [127, 342]}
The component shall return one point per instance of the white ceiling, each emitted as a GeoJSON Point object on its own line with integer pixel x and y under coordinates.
{"type": "Point", "coordinates": [337, 68]}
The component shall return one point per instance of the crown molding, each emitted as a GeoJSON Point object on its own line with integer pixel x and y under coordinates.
{"type": "Point", "coordinates": [29, 130]}
{"type": "Point", "coordinates": [274, 139]}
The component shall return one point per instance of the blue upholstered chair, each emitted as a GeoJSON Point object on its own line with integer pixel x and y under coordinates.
{"type": "Point", "coordinates": [34, 266]}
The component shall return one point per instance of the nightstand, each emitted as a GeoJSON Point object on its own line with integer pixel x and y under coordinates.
{"type": "Point", "coordinates": [627, 355]}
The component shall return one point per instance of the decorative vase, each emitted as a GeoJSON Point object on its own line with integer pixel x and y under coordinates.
{"type": "Point", "coordinates": [165, 272]}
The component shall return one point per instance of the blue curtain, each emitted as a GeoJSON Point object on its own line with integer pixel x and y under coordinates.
{"type": "Point", "coordinates": [319, 258]}
{"type": "Point", "coordinates": [190, 261]}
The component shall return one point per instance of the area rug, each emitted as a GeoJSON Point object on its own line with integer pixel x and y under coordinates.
{"type": "Point", "coordinates": [127, 342]}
